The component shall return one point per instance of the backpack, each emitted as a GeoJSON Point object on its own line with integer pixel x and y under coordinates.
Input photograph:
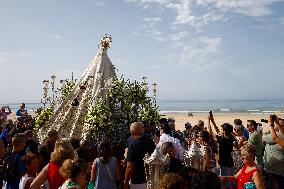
{"type": "Point", "coordinates": [10, 168]}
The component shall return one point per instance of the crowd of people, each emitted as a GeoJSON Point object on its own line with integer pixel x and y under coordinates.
{"type": "Point", "coordinates": [233, 157]}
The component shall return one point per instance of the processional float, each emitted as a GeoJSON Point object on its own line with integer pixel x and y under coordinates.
{"type": "Point", "coordinates": [69, 117]}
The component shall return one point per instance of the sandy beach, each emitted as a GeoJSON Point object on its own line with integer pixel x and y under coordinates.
{"type": "Point", "coordinates": [220, 118]}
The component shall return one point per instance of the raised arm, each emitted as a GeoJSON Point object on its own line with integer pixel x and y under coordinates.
{"type": "Point", "coordinates": [275, 137]}
{"type": "Point", "coordinates": [39, 180]}
{"type": "Point", "coordinates": [280, 126]}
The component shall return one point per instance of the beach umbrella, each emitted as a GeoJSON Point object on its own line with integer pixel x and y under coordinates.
{"type": "Point", "coordinates": [69, 117]}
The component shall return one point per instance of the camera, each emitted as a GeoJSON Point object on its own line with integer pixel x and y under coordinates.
{"type": "Point", "coordinates": [210, 114]}
{"type": "Point", "coordinates": [273, 117]}
{"type": "Point", "coordinates": [264, 120]}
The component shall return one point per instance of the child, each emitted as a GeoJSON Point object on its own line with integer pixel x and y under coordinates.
{"type": "Point", "coordinates": [75, 173]}
{"type": "Point", "coordinates": [32, 165]}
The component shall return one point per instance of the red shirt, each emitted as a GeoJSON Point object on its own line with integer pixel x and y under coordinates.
{"type": "Point", "coordinates": [245, 177]}
{"type": "Point", "coordinates": [55, 180]}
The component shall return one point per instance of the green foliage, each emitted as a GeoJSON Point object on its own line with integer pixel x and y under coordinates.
{"type": "Point", "coordinates": [125, 102]}
{"type": "Point", "coordinates": [43, 116]}
{"type": "Point", "coordinates": [68, 87]}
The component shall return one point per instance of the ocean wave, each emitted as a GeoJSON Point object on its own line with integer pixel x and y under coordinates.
{"type": "Point", "coordinates": [270, 111]}
{"type": "Point", "coordinates": [224, 110]}
{"type": "Point", "coordinates": [254, 110]}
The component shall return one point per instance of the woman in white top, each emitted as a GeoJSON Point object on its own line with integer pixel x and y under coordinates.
{"type": "Point", "coordinates": [32, 165]}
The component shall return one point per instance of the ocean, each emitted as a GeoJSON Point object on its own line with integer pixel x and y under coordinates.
{"type": "Point", "coordinates": [227, 106]}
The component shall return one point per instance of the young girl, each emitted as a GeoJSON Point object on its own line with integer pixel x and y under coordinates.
{"type": "Point", "coordinates": [249, 177]}
{"type": "Point", "coordinates": [105, 169]}
{"type": "Point", "coordinates": [75, 173]}
{"type": "Point", "coordinates": [32, 165]}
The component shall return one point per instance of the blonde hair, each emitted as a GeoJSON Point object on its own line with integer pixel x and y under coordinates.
{"type": "Point", "coordinates": [248, 149]}
{"type": "Point", "coordinates": [171, 181]}
{"type": "Point", "coordinates": [63, 150]}
{"type": "Point", "coordinates": [72, 167]}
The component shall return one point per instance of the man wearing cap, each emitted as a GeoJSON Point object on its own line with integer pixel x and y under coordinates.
{"type": "Point", "coordinates": [22, 112]}
{"type": "Point", "coordinates": [186, 135]}
{"type": "Point", "coordinates": [238, 123]}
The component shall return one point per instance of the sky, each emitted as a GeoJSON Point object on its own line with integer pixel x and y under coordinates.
{"type": "Point", "coordinates": [193, 49]}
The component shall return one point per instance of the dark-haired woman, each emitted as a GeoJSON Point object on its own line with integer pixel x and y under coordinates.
{"type": "Point", "coordinates": [105, 169]}
{"type": "Point", "coordinates": [226, 143]}
{"type": "Point", "coordinates": [32, 165]}
{"type": "Point", "coordinates": [209, 155]}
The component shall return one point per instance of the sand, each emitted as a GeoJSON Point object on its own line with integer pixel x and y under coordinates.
{"type": "Point", "coordinates": [220, 118]}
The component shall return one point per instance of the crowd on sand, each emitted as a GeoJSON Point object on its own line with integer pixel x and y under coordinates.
{"type": "Point", "coordinates": [238, 156]}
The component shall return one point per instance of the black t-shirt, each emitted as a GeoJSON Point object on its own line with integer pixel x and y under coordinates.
{"type": "Point", "coordinates": [175, 165]}
{"type": "Point", "coordinates": [136, 153]}
{"type": "Point", "coordinates": [225, 150]}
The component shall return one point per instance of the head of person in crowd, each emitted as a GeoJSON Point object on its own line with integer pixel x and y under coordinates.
{"type": "Point", "coordinates": [248, 153]}
{"type": "Point", "coordinates": [188, 173]}
{"type": "Point", "coordinates": [152, 126]}
{"type": "Point", "coordinates": [200, 125]}
{"type": "Point", "coordinates": [166, 129]}
{"type": "Point", "coordinates": [52, 137]}
{"type": "Point", "coordinates": [171, 122]}
{"type": "Point", "coordinates": [137, 129]}
{"type": "Point", "coordinates": [74, 170]}
{"type": "Point", "coordinates": [238, 122]}
{"type": "Point", "coordinates": [63, 150]}
{"type": "Point", "coordinates": [29, 134]}
{"type": "Point", "coordinates": [146, 125]}
{"type": "Point", "coordinates": [22, 106]}
{"type": "Point", "coordinates": [9, 125]}
{"type": "Point", "coordinates": [105, 152]}
{"type": "Point", "coordinates": [171, 181]}
{"type": "Point", "coordinates": [227, 129]}
{"type": "Point", "coordinates": [32, 164]}
{"type": "Point", "coordinates": [163, 121]}
{"type": "Point", "coordinates": [168, 148]}
{"type": "Point", "coordinates": [204, 137]}
{"type": "Point", "coordinates": [281, 121]}
{"type": "Point", "coordinates": [251, 126]}
{"type": "Point", "coordinates": [75, 143]}
{"type": "Point", "coordinates": [19, 142]}
{"type": "Point", "coordinates": [188, 126]}
{"type": "Point", "coordinates": [3, 109]}
{"type": "Point", "coordinates": [238, 130]}
{"type": "Point", "coordinates": [206, 180]}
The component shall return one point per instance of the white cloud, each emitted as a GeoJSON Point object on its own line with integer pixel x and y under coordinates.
{"type": "Point", "coordinates": [178, 35]}
{"type": "Point", "coordinates": [150, 28]}
{"type": "Point", "coordinates": [212, 10]}
{"type": "Point", "coordinates": [200, 54]}
{"type": "Point", "coordinates": [55, 36]}
{"type": "Point", "coordinates": [97, 3]}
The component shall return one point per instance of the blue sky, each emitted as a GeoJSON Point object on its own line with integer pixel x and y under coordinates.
{"type": "Point", "coordinates": [193, 49]}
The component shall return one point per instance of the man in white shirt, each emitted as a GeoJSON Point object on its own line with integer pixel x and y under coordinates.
{"type": "Point", "coordinates": [166, 137]}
